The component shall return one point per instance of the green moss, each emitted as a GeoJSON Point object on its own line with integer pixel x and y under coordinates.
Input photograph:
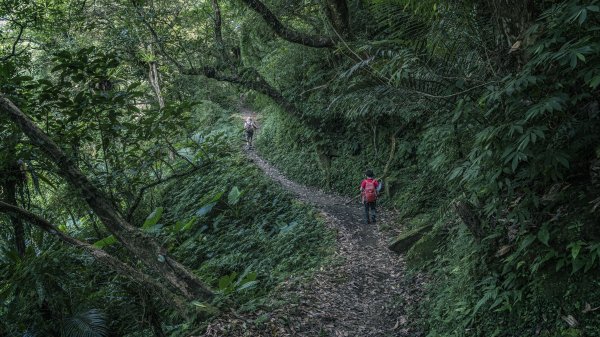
{"type": "Point", "coordinates": [424, 250]}
{"type": "Point", "coordinates": [405, 240]}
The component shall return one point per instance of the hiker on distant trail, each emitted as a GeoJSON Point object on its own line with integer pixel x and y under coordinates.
{"type": "Point", "coordinates": [368, 192]}
{"type": "Point", "coordinates": [249, 127]}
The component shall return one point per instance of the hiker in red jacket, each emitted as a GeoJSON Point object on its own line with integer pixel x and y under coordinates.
{"type": "Point", "coordinates": [368, 192]}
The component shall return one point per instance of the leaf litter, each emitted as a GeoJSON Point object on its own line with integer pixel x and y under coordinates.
{"type": "Point", "coordinates": [362, 294]}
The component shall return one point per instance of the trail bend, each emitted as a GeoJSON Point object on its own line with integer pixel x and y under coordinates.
{"type": "Point", "coordinates": [361, 294]}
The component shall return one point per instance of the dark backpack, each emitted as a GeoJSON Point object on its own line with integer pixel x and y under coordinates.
{"type": "Point", "coordinates": [370, 192]}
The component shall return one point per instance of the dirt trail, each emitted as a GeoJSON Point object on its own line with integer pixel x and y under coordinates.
{"type": "Point", "coordinates": [360, 295]}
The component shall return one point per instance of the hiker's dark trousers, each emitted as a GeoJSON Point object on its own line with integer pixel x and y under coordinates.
{"type": "Point", "coordinates": [249, 136]}
{"type": "Point", "coordinates": [370, 210]}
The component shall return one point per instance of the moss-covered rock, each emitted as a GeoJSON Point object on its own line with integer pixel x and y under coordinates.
{"type": "Point", "coordinates": [404, 241]}
{"type": "Point", "coordinates": [423, 250]}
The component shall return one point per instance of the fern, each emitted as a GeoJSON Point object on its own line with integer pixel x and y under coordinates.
{"type": "Point", "coordinates": [90, 323]}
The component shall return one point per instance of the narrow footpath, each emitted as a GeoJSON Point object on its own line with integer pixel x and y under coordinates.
{"type": "Point", "coordinates": [361, 294]}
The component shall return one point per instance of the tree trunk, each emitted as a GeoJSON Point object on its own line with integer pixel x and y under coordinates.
{"type": "Point", "coordinates": [135, 241]}
{"type": "Point", "coordinates": [386, 169]}
{"type": "Point", "coordinates": [155, 322]}
{"type": "Point", "coordinates": [101, 256]}
{"type": "Point", "coordinates": [218, 30]}
{"type": "Point", "coordinates": [465, 211]}
{"type": "Point", "coordinates": [258, 83]}
{"type": "Point", "coordinates": [326, 161]}
{"type": "Point", "coordinates": [11, 177]}
{"type": "Point", "coordinates": [153, 78]}
{"type": "Point", "coordinates": [510, 18]}
{"type": "Point", "coordinates": [337, 12]}
{"type": "Point", "coordinates": [10, 190]}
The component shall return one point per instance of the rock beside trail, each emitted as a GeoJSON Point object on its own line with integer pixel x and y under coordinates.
{"type": "Point", "coordinates": [403, 242]}
{"type": "Point", "coordinates": [362, 294]}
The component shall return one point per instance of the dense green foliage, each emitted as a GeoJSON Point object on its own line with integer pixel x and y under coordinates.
{"type": "Point", "coordinates": [480, 116]}
{"type": "Point", "coordinates": [228, 220]}
{"type": "Point", "coordinates": [513, 135]}
{"type": "Point", "coordinates": [238, 232]}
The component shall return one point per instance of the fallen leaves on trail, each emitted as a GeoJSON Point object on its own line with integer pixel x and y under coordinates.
{"type": "Point", "coordinates": [361, 294]}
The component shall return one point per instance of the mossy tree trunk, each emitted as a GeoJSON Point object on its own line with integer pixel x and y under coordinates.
{"type": "Point", "coordinates": [135, 241]}
{"type": "Point", "coordinates": [11, 177]}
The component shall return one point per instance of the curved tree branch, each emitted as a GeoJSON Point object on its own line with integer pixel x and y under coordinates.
{"type": "Point", "coordinates": [287, 33]}
{"type": "Point", "coordinates": [101, 256]}
{"type": "Point", "coordinates": [259, 85]}
{"type": "Point", "coordinates": [13, 52]}
{"type": "Point", "coordinates": [136, 242]}
{"type": "Point", "coordinates": [140, 194]}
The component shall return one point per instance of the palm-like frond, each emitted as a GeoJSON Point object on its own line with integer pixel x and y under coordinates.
{"type": "Point", "coordinates": [408, 55]}
{"type": "Point", "coordinates": [90, 323]}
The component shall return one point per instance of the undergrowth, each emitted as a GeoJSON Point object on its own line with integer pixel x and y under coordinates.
{"type": "Point", "coordinates": [240, 231]}
{"type": "Point", "coordinates": [507, 174]}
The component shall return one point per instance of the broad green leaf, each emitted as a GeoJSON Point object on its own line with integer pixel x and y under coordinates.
{"type": "Point", "coordinates": [560, 264]}
{"type": "Point", "coordinates": [133, 86]}
{"type": "Point", "coordinates": [205, 209]}
{"type": "Point", "coordinates": [188, 224]}
{"type": "Point", "coordinates": [582, 16]}
{"type": "Point", "coordinates": [217, 197]}
{"type": "Point", "coordinates": [577, 265]}
{"type": "Point", "coordinates": [251, 276]}
{"type": "Point", "coordinates": [526, 242]}
{"type": "Point", "coordinates": [288, 227]}
{"type": "Point", "coordinates": [234, 196]}
{"type": "Point", "coordinates": [543, 235]}
{"type": "Point", "coordinates": [226, 281]}
{"type": "Point", "coordinates": [247, 285]}
{"type": "Point", "coordinates": [482, 301]}
{"type": "Point", "coordinates": [153, 218]}
{"type": "Point", "coordinates": [575, 249]}
{"type": "Point", "coordinates": [46, 180]}
{"type": "Point", "coordinates": [456, 173]}
{"type": "Point", "coordinates": [515, 162]}
{"type": "Point", "coordinates": [562, 160]}
{"type": "Point", "coordinates": [107, 241]}
{"type": "Point", "coordinates": [595, 82]}
{"type": "Point", "coordinates": [199, 304]}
